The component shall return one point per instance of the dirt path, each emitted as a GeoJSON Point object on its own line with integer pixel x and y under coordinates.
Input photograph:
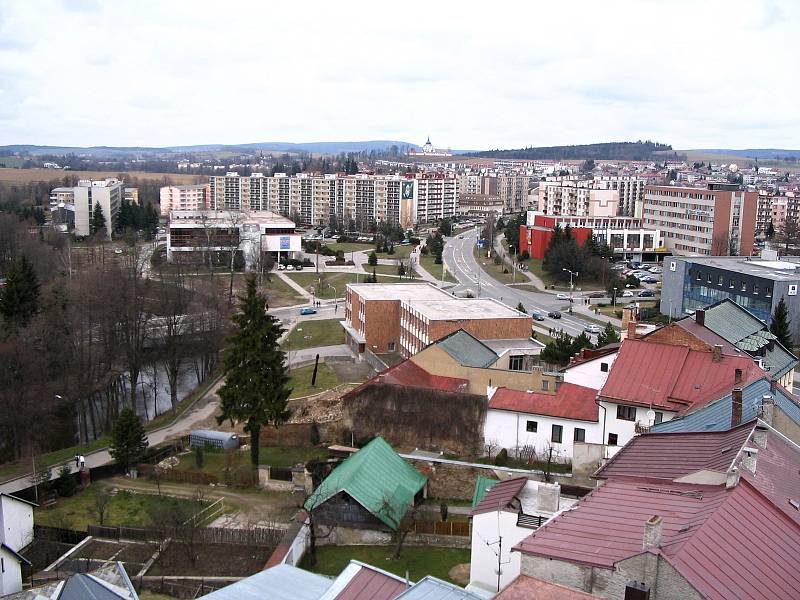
{"type": "Point", "coordinates": [249, 507]}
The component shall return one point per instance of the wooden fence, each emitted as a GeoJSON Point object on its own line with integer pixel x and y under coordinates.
{"type": "Point", "coordinates": [205, 535]}
{"type": "Point", "coordinates": [442, 527]}
{"type": "Point", "coordinates": [58, 534]}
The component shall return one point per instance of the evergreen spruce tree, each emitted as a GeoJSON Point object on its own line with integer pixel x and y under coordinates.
{"type": "Point", "coordinates": [780, 324]}
{"type": "Point", "coordinates": [98, 220]}
{"type": "Point", "coordinates": [123, 217]}
{"type": "Point", "coordinates": [609, 335]}
{"type": "Point", "coordinates": [19, 300]}
{"type": "Point", "coordinates": [256, 387]}
{"type": "Point", "coordinates": [128, 440]}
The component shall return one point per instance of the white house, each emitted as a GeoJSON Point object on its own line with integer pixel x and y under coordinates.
{"type": "Point", "coordinates": [525, 421]}
{"type": "Point", "coordinates": [591, 372]}
{"type": "Point", "coordinates": [508, 513]}
{"type": "Point", "coordinates": [10, 570]}
{"type": "Point", "coordinates": [16, 532]}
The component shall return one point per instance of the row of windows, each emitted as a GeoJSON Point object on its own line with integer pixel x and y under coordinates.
{"type": "Point", "coordinates": [742, 286]}
{"type": "Point", "coordinates": [557, 432]}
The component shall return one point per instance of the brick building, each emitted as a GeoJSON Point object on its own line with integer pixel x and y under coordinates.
{"type": "Point", "coordinates": [405, 318]}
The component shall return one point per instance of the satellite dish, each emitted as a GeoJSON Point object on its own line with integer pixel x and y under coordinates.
{"type": "Point", "coordinates": [651, 416]}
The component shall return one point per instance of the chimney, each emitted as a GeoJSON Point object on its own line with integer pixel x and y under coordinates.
{"type": "Point", "coordinates": [717, 354]}
{"type": "Point", "coordinates": [731, 478]}
{"type": "Point", "coordinates": [767, 409]}
{"type": "Point", "coordinates": [652, 533]}
{"type": "Point", "coordinates": [547, 497]}
{"type": "Point", "coordinates": [773, 386]}
{"type": "Point", "coordinates": [631, 330]}
{"type": "Point", "coordinates": [749, 459]}
{"type": "Point", "coordinates": [737, 376]}
{"type": "Point", "coordinates": [736, 407]}
{"type": "Point", "coordinates": [760, 436]}
{"type": "Point", "coordinates": [700, 316]}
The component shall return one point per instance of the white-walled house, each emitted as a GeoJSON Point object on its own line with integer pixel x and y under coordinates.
{"type": "Point", "coordinates": [16, 521]}
{"type": "Point", "coordinates": [591, 372]}
{"type": "Point", "coordinates": [10, 570]}
{"type": "Point", "coordinates": [523, 420]}
{"type": "Point", "coordinates": [508, 513]}
{"type": "Point", "coordinates": [16, 532]}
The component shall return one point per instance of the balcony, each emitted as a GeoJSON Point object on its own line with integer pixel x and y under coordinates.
{"type": "Point", "coordinates": [530, 521]}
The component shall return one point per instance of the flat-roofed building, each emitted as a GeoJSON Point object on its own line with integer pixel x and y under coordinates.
{"type": "Point", "coordinates": [184, 197]}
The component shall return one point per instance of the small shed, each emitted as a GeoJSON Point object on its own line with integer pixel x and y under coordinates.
{"type": "Point", "coordinates": [373, 488]}
{"type": "Point", "coordinates": [223, 440]}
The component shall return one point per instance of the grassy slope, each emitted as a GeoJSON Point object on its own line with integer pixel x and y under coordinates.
{"type": "Point", "coordinates": [301, 380]}
{"type": "Point", "coordinates": [310, 334]}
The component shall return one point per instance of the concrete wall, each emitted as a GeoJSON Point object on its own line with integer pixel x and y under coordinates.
{"type": "Point", "coordinates": [349, 536]}
{"type": "Point", "coordinates": [586, 459]}
{"type": "Point", "coordinates": [487, 529]}
{"type": "Point", "coordinates": [10, 573]}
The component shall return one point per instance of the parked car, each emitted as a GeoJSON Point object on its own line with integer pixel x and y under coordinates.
{"type": "Point", "coordinates": [562, 296]}
{"type": "Point", "coordinates": [628, 294]}
{"type": "Point", "coordinates": [597, 295]}
{"type": "Point", "coordinates": [537, 316]}
{"type": "Point", "coordinates": [647, 294]}
{"type": "Point", "coordinates": [298, 268]}
{"type": "Point", "coordinates": [554, 314]}
{"type": "Point", "coordinates": [649, 279]}
{"type": "Point", "coordinates": [656, 269]}
{"type": "Point", "coordinates": [591, 329]}
{"type": "Point", "coordinates": [290, 267]}
{"type": "Point", "coordinates": [308, 310]}
{"type": "Point", "coordinates": [461, 237]}
{"type": "Point", "coordinates": [281, 267]}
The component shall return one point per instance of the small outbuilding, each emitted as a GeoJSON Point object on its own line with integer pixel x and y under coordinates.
{"type": "Point", "coordinates": [223, 440]}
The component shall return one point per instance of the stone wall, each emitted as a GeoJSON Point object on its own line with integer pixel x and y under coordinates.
{"type": "Point", "coordinates": [349, 536]}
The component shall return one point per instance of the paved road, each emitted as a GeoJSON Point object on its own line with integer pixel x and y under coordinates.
{"type": "Point", "coordinates": [200, 411]}
{"type": "Point", "coordinates": [461, 262]}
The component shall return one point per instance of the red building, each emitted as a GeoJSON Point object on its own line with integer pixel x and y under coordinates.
{"type": "Point", "coordinates": [536, 239]}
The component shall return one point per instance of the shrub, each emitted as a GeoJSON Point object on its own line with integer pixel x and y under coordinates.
{"type": "Point", "coordinates": [443, 511]}
{"type": "Point", "coordinates": [424, 250]}
{"type": "Point", "coordinates": [524, 256]}
{"type": "Point", "coordinates": [501, 460]}
{"type": "Point", "coordinates": [199, 457]}
{"type": "Point", "coordinates": [372, 259]}
{"type": "Point", "coordinates": [65, 484]}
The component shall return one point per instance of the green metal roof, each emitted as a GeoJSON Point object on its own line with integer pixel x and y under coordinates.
{"type": "Point", "coordinates": [377, 478]}
{"type": "Point", "coordinates": [482, 485]}
{"type": "Point", "coordinates": [732, 322]}
{"type": "Point", "coordinates": [467, 349]}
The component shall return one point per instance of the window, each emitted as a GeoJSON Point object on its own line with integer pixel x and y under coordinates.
{"type": "Point", "coordinates": [558, 430]}
{"type": "Point", "coordinates": [545, 385]}
{"type": "Point", "coordinates": [659, 417]}
{"type": "Point", "coordinates": [580, 435]}
{"type": "Point", "coordinates": [755, 289]}
{"type": "Point", "coordinates": [744, 286]}
{"type": "Point", "coordinates": [515, 363]}
{"type": "Point", "coordinates": [531, 426]}
{"type": "Point", "coordinates": [391, 346]}
{"type": "Point", "coordinates": [604, 367]}
{"type": "Point", "coordinates": [626, 413]}
{"type": "Point", "coordinates": [613, 438]}
{"type": "Point", "coordinates": [730, 283]}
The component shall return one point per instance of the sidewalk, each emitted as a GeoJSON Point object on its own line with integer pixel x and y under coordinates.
{"type": "Point", "coordinates": [498, 248]}
{"type": "Point", "coordinates": [293, 284]}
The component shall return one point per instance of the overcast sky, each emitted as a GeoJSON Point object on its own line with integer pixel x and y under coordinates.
{"type": "Point", "coordinates": [472, 75]}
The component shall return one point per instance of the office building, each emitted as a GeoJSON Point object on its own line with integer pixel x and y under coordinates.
{"type": "Point", "coordinates": [718, 221]}
{"type": "Point", "coordinates": [352, 202]}
{"type": "Point", "coordinates": [405, 318]}
{"type": "Point", "coordinates": [192, 235]}
{"type": "Point", "coordinates": [184, 197]}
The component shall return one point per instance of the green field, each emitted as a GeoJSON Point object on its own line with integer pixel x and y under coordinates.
{"type": "Point", "coordinates": [279, 293]}
{"type": "Point", "coordinates": [399, 252]}
{"type": "Point", "coordinates": [428, 262]}
{"type": "Point", "coordinates": [300, 380]}
{"type": "Point", "coordinates": [350, 247]}
{"type": "Point", "coordinates": [418, 561]}
{"type": "Point", "coordinates": [310, 334]}
{"type": "Point", "coordinates": [125, 508]}
{"type": "Point", "coordinates": [387, 270]}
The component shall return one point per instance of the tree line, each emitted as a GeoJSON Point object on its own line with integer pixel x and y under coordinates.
{"type": "Point", "coordinates": [639, 150]}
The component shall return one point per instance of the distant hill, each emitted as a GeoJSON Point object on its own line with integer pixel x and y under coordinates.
{"type": "Point", "coordinates": [316, 147]}
{"type": "Point", "coordinates": [769, 153]}
{"type": "Point", "coordinates": [605, 151]}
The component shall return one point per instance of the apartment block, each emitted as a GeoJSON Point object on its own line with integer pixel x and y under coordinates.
{"type": "Point", "coordinates": [777, 209]}
{"type": "Point", "coordinates": [577, 198]}
{"type": "Point", "coordinates": [511, 190]}
{"type": "Point", "coordinates": [352, 201]}
{"type": "Point", "coordinates": [108, 193]}
{"type": "Point", "coordinates": [717, 221]}
{"type": "Point", "coordinates": [184, 197]}
{"type": "Point", "coordinates": [405, 318]}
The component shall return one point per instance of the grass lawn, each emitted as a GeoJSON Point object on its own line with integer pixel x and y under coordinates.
{"type": "Point", "coordinates": [495, 271]}
{"type": "Point", "coordinates": [387, 270]}
{"type": "Point", "coordinates": [350, 247]}
{"type": "Point", "coordinates": [399, 252]}
{"type": "Point", "coordinates": [289, 457]}
{"type": "Point", "coordinates": [279, 293]}
{"type": "Point", "coordinates": [542, 337]}
{"type": "Point", "coordinates": [333, 284]}
{"type": "Point", "coordinates": [313, 333]}
{"type": "Point", "coordinates": [300, 380]}
{"type": "Point", "coordinates": [419, 561]}
{"type": "Point", "coordinates": [126, 508]}
{"type": "Point", "coordinates": [215, 462]}
{"type": "Point", "coordinates": [428, 262]}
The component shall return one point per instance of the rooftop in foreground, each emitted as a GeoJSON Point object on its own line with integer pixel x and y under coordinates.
{"type": "Point", "coordinates": [397, 291]}
{"type": "Point", "coordinates": [777, 270]}
{"type": "Point", "coordinates": [466, 308]}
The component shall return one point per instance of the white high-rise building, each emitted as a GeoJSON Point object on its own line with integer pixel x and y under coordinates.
{"type": "Point", "coordinates": [108, 193]}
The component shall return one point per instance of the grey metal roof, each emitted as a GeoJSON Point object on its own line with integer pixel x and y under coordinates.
{"type": "Point", "coordinates": [716, 416]}
{"type": "Point", "coordinates": [282, 582]}
{"type": "Point", "coordinates": [467, 349]}
{"type": "Point", "coordinates": [431, 588]}
{"type": "Point", "coordinates": [85, 587]}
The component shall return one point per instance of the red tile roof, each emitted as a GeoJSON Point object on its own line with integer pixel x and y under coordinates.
{"type": "Point", "coordinates": [370, 584]}
{"type": "Point", "coordinates": [673, 455]}
{"type": "Point", "coordinates": [409, 373]}
{"type": "Point", "coordinates": [673, 378]}
{"type": "Point", "coordinates": [570, 402]}
{"type": "Point", "coordinates": [777, 475]}
{"type": "Point", "coordinates": [532, 588]}
{"type": "Point", "coordinates": [500, 496]}
{"type": "Point", "coordinates": [727, 543]}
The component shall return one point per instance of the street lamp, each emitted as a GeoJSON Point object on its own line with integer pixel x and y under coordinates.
{"type": "Point", "coordinates": [614, 299]}
{"type": "Point", "coordinates": [571, 286]}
